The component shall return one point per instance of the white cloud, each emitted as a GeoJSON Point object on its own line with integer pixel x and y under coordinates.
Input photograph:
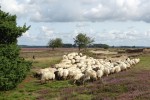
{"type": "Point", "coordinates": [44, 13]}
{"type": "Point", "coordinates": [81, 24]}
{"type": "Point", "coordinates": [26, 34]}
{"type": "Point", "coordinates": [79, 10]}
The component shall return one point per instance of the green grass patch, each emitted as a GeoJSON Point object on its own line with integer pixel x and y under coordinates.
{"type": "Point", "coordinates": [84, 97]}
{"type": "Point", "coordinates": [144, 63]}
{"type": "Point", "coordinates": [58, 84]}
{"type": "Point", "coordinates": [44, 62]}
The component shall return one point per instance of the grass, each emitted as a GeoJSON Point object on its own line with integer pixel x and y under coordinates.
{"type": "Point", "coordinates": [45, 61]}
{"type": "Point", "coordinates": [132, 84]}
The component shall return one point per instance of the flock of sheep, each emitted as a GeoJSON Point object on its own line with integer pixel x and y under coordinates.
{"type": "Point", "coordinates": [81, 68]}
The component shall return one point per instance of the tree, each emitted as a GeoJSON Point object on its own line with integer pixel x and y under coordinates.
{"type": "Point", "coordinates": [82, 41]}
{"type": "Point", "coordinates": [13, 68]}
{"type": "Point", "coordinates": [105, 46]}
{"type": "Point", "coordinates": [55, 43]}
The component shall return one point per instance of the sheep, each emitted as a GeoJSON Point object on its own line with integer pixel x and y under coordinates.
{"type": "Point", "coordinates": [137, 60]}
{"type": "Point", "coordinates": [41, 71]}
{"type": "Point", "coordinates": [77, 77]}
{"type": "Point", "coordinates": [128, 64]}
{"type": "Point", "coordinates": [84, 78]}
{"type": "Point", "coordinates": [64, 61]}
{"type": "Point", "coordinates": [83, 57]}
{"type": "Point", "coordinates": [70, 57]}
{"type": "Point", "coordinates": [58, 65]}
{"type": "Point", "coordinates": [72, 73]}
{"type": "Point", "coordinates": [96, 68]}
{"type": "Point", "coordinates": [117, 69]}
{"type": "Point", "coordinates": [82, 68]}
{"type": "Point", "coordinates": [73, 54]}
{"type": "Point", "coordinates": [80, 54]}
{"type": "Point", "coordinates": [65, 73]}
{"type": "Point", "coordinates": [77, 57]}
{"type": "Point", "coordinates": [65, 57]}
{"type": "Point", "coordinates": [128, 60]}
{"type": "Point", "coordinates": [99, 74]}
{"type": "Point", "coordinates": [106, 71]}
{"type": "Point", "coordinates": [92, 74]}
{"type": "Point", "coordinates": [123, 66]}
{"type": "Point", "coordinates": [112, 70]}
{"type": "Point", "coordinates": [52, 69]}
{"type": "Point", "coordinates": [47, 76]}
{"type": "Point", "coordinates": [73, 61]}
{"type": "Point", "coordinates": [59, 73]}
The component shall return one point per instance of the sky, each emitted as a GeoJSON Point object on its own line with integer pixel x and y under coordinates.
{"type": "Point", "coordinates": [112, 22]}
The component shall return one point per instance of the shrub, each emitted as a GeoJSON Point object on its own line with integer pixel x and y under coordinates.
{"type": "Point", "coordinates": [13, 68]}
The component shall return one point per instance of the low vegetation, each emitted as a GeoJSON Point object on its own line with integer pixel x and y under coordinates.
{"type": "Point", "coordinates": [131, 84]}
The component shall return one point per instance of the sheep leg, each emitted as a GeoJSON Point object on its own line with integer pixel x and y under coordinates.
{"type": "Point", "coordinates": [74, 81]}
{"type": "Point", "coordinates": [83, 82]}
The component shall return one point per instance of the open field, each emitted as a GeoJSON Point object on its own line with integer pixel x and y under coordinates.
{"type": "Point", "coordinates": [132, 84]}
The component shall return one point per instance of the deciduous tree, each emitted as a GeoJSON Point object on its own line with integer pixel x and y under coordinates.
{"type": "Point", "coordinates": [55, 43]}
{"type": "Point", "coordinates": [82, 41]}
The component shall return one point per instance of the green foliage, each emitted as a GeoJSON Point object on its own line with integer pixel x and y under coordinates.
{"type": "Point", "coordinates": [105, 46]}
{"type": "Point", "coordinates": [55, 43]}
{"type": "Point", "coordinates": [9, 31]}
{"type": "Point", "coordinates": [82, 41]}
{"type": "Point", "coordinates": [13, 68]}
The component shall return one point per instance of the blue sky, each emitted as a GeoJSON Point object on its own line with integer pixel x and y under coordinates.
{"type": "Point", "coordinates": [114, 22]}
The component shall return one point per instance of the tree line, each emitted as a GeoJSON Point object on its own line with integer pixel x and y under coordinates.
{"type": "Point", "coordinates": [80, 41]}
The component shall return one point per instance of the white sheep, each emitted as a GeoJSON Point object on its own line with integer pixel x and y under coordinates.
{"type": "Point", "coordinates": [136, 60]}
{"type": "Point", "coordinates": [92, 74]}
{"type": "Point", "coordinates": [123, 66]}
{"type": "Point", "coordinates": [84, 78]}
{"type": "Point", "coordinates": [106, 71]}
{"type": "Point", "coordinates": [41, 71]}
{"type": "Point", "coordinates": [77, 77]}
{"type": "Point", "coordinates": [73, 61]}
{"type": "Point", "coordinates": [99, 74]}
{"type": "Point", "coordinates": [65, 57]}
{"type": "Point", "coordinates": [80, 54]}
{"type": "Point", "coordinates": [77, 57]}
{"type": "Point", "coordinates": [83, 57]}
{"type": "Point", "coordinates": [73, 54]}
{"type": "Point", "coordinates": [117, 69]}
{"type": "Point", "coordinates": [60, 73]}
{"type": "Point", "coordinates": [82, 68]}
{"type": "Point", "coordinates": [65, 73]}
{"type": "Point", "coordinates": [128, 64]}
{"type": "Point", "coordinates": [47, 76]}
{"type": "Point", "coordinates": [72, 73]}
{"type": "Point", "coordinates": [70, 57]}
